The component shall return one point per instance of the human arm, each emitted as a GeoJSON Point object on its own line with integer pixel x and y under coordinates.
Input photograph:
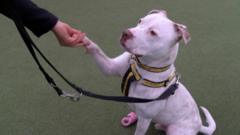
{"type": "Point", "coordinates": [40, 21]}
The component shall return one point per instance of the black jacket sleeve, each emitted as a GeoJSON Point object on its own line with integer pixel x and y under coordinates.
{"type": "Point", "coordinates": [38, 20]}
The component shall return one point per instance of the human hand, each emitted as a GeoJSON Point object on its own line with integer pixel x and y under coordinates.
{"type": "Point", "coordinates": [68, 36]}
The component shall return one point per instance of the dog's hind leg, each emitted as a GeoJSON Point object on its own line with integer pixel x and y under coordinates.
{"type": "Point", "coordinates": [176, 130]}
{"type": "Point", "coordinates": [142, 125]}
{"type": "Point", "coordinates": [159, 126]}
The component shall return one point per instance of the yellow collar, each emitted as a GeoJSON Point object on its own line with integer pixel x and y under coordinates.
{"type": "Point", "coordinates": [151, 69]}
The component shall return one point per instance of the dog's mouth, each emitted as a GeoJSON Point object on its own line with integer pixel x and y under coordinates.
{"type": "Point", "coordinates": [138, 55]}
{"type": "Point", "coordinates": [123, 41]}
{"type": "Point", "coordinates": [131, 51]}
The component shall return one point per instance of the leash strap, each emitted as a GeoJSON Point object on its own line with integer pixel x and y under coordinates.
{"type": "Point", "coordinates": [32, 48]}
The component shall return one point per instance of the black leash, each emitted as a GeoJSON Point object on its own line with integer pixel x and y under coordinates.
{"type": "Point", "coordinates": [33, 49]}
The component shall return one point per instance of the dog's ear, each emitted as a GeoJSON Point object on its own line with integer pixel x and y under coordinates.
{"type": "Point", "coordinates": [183, 33]}
{"type": "Point", "coordinates": [156, 11]}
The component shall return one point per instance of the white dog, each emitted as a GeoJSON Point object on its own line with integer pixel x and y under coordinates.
{"type": "Point", "coordinates": [151, 49]}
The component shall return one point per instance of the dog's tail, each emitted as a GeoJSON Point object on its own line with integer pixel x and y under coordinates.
{"type": "Point", "coordinates": [208, 130]}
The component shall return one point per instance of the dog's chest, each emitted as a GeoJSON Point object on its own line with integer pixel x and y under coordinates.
{"type": "Point", "coordinates": [138, 82]}
{"type": "Point", "coordinates": [146, 109]}
{"type": "Point", "coordinates": [142, 79]}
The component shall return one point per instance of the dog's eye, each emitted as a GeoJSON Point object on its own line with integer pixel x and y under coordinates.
{"type": "Point", "coordinates": [153, 33]}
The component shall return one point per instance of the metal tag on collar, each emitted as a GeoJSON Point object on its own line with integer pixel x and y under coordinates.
{"type": "Point", "coordinates": [178, 76]}
{"type": "Point", "coordinates": [166, 83]}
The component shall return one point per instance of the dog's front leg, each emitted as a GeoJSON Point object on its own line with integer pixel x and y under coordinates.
{"type": "Point", "coordinates": [142, 125]}
{"type": "Point", "coordinates": [107, 65]}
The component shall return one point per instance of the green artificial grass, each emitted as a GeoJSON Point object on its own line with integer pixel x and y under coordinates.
{"type": "Point", "coordinates": [209, 66]}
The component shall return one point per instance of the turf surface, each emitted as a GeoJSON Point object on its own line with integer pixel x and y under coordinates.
{"type": "Point", "coordinates": [209, 67]}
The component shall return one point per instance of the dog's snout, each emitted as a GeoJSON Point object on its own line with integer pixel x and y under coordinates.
{"type": "Point", "coordinates": [127, 34]}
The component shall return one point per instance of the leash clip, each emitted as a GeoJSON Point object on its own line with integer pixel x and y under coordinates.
{"type": "Point", "coordinates": [72, 97]}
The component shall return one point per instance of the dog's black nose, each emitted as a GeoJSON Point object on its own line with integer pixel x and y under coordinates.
{"type": "Point", "coordinates": [127, 34]}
